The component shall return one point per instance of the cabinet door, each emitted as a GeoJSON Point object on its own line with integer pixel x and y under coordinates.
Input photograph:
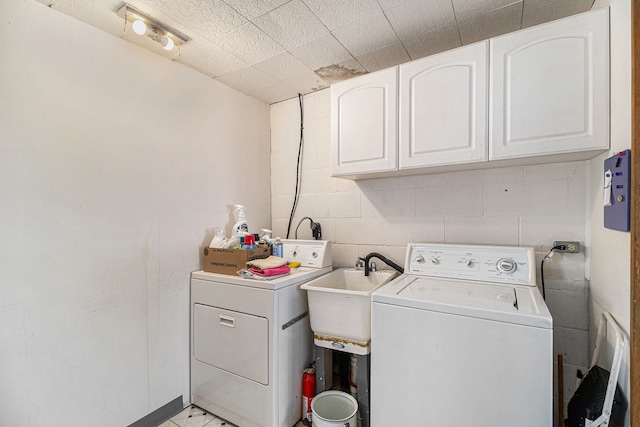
{"type": "Point", "coordinates": [550, 88]}
{"type": "Point", "coordinates": [364, 124]}
{"type": "Point", "coordinates": [443, 108]}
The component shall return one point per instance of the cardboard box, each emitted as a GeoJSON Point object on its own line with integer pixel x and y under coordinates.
{"type": "Point", "coordinates": [228, 261]}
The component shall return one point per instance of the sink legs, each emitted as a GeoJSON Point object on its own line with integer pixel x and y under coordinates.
{"type": "Point", "coordinates": [324, 378]}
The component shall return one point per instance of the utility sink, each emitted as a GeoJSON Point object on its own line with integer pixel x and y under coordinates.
{"type": "Point", "coordinates": [340, 308]}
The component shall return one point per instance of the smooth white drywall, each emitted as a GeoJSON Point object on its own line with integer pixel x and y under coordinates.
{"type": "Point", "coordinates": [114, 163]}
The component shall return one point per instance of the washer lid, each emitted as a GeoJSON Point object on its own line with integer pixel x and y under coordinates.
{"type": "Point", "coordinates": [512, 304]}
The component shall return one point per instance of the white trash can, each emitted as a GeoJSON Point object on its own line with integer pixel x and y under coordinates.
{"type": "Point", "coordinates": [334, 409]}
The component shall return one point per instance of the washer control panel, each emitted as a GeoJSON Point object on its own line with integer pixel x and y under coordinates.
{"type": "Point", "coordinates": [309, 253]}
{"type": "Point", "coordinates": [501, 264]}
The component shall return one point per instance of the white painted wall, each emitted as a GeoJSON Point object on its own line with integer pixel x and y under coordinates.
{"type": "Point", "coordinates": [113, 163]}
{"type": "Point", "coordinates": [608, 251]}
{"type": "Point", "coordinates": [525, 205]}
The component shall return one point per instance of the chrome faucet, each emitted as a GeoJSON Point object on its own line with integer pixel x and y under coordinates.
{"type": "Point", "coordinates": [381, 258]}
{"type": "Point", "coordinates": [360, 264]}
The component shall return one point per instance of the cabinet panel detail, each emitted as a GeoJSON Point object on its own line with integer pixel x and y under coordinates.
{"type": "Point", "coordinates": [550, 88]}
{"type": "Point", "coordinates": [364, 124]}
{"type": "Point", "coordinates": [443, 108]}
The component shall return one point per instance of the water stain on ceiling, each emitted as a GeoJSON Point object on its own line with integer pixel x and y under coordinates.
{"type": "Point", "coordinates": [335, 73]}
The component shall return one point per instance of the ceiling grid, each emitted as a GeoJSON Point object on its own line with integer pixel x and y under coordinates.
{"type": "Point", "coordinates": [274, 49]}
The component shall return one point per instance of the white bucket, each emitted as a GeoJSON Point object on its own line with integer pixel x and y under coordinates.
{"type": "Point", "coordinates": [334, 409]}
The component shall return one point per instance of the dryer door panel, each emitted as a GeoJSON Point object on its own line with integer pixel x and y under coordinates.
{"type": "Point", "coordinates": [233, 341]}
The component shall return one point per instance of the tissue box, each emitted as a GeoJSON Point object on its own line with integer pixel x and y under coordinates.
{"type": "Point", "coordinates": [228, 261]}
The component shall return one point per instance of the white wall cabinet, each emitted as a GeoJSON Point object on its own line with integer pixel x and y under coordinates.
{"type": "Point", "coordinates": [364, 124]}
{"type": "Point", "coordinates": [550, 88]}
{"type": "Point", "coordinates": [444, 108]}
{"type": "Point", "coordinates": [533, 96]}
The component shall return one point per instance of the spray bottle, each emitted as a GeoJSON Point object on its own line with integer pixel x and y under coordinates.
{"type": "Point", "coordinates": [219, 241]}
{"type": "Point", "coordinates": [240, 228]}
{"type": "Point", "coordinates": [265, 238]}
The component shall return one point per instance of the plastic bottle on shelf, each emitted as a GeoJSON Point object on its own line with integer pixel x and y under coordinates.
{"type": "Point", "coordinates": [219, 241]}
{"type": "Point", "coordinates": [240, 228]}
{"type": "Point", "coordinates": [249, 242]}
{"type": "Point", "coordinates": [233, 243]}
{"type": "Point", "coordinates": [277, 249]}
{"type": "Point", "coordinates": [266, 235]}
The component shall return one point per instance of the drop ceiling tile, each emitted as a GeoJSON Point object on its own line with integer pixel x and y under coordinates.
{"type": "Point", "coordinates": [338, 13]}
{"type": "Point", "coordinates": [491, 23]}
{"type": "Point", "coordinates": [417, 17]}
{"type": "Point", "coordinates": [292, 25]}
{"type": "Point", "coordinates": [539, 11]}
{"type": "Point", "coordinates": [367, 35]}
{"type": "Point", "coordinates": [251, 9]}
{"type": "Point", "coordinates": [354, 64]}
{"type": "Point", "coordinates": [388, 4]}
{"type": "Point", "coordinates": [152, 4]}
{"type": "Point", "coordinates": [212, 60]}
{"type": "Point", "coordinates": [275, 93]}
{"type": "Point", "coordinates": [321, 52]}
{"type": "Point", "coordinates": [88, 12]}
{"type": "Point", "coordinates": [247, 80]}
{"type": "Point", "coordinates": [249, 44]}
{"type": "Point", "coordinates": [467, 9]}
{"type": "Point", "coordinates": [282, 66]}
{"type": "Point", "coordinates": [224, 44]}
{"type": "Point", "coordinates": [305, 83]}
{"type": "Point", "coordinates": [433, 42]}
{"type": "Point", "coordinates": [211, 18]}
{"type": "Point", "coordinates": [383, 58]}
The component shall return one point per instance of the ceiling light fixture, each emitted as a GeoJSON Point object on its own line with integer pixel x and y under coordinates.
{"type": "Point", "coordinates": [139, 27]}
{"type": "Point", "coordinates": [167, 43]}
{"type": "Point", "coordinates": [143, 24]}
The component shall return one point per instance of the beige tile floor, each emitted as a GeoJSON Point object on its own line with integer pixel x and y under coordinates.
{"type": "Point", "coordinates": [192, 416]}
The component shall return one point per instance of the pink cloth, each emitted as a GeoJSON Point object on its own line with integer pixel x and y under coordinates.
{"type": "Point", "coordinates": [276, 271]}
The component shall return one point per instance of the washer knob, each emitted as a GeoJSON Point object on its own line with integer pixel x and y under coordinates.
{"type": "Point", "coordinates": [435, 261]}
{"type": "Point", "coordinates": [507, 265]}
{"type": "Point", "coordinates": [467, 262]}
{"type": "Point", "coordinates": [419, 259]}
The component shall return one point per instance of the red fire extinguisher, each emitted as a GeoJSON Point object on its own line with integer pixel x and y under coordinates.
{"type": "Point", "coordinates": [308, 391]}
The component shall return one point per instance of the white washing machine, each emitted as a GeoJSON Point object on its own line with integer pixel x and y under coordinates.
{"type": "Point", "coordinates": [251, 340]}
{"type": "Point", "coordinates": [463, 338]}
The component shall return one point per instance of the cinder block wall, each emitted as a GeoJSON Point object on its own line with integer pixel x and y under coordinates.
{"type": "Point", "coordinates": [524, 205]}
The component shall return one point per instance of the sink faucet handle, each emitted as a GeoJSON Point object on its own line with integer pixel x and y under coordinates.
{"type": "Point", "coordinates": [373, 267]}
{"type": "Point", "coordinates": [359, 264]}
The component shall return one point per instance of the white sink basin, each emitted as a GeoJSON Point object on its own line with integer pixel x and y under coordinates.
{"type": "Point", "coordinates": [340, 308]}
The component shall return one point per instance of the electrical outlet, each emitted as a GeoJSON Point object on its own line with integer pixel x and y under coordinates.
{"type": "Point", "coordinates": [570, 247]}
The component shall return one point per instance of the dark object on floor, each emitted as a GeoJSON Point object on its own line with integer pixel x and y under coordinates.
{"type": "Point", "coordinates": [588, 400]}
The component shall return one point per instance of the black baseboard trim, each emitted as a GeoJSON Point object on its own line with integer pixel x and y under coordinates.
{"type": "Point", "coordinates": [161, 414]}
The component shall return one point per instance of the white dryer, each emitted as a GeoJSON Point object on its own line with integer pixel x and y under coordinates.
{"type": "Point", "coordinates": [251, 340]}
{"type": "Point", "coordinates": [463, 338]}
